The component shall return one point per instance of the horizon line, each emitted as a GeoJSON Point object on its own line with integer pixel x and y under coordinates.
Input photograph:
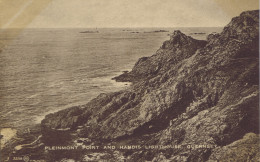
{"type": "Point", "coordinates": [111, 27]}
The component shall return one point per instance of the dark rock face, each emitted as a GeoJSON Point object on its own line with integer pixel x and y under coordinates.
{"type": "Point", "coordinates": [189, 92]}
{"type": "Point", "coordinates": [178, 48]}
{"type": "Point", "coordinates": [238, 150]}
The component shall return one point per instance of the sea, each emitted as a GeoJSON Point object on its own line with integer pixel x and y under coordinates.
{"type": "Point", "coordinates": [46, 70]}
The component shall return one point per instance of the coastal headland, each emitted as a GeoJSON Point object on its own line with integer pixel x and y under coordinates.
{"type": "Point", "coordinates": [199, 96]}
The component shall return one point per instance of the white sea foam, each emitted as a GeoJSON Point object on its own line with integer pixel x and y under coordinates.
{"type": "Point", "coordinates": [8, 134]}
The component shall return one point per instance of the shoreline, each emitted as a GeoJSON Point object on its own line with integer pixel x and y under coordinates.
{"type": "Point", "coordinates": [37, 119]}
{"type": "Point", "coordinates": [17, 134]}
{"type": "Point", "coordinates": [175, 101]}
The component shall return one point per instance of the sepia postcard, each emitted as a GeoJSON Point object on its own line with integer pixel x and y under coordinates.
{"type": "Point", "coordinates": [129, 80]}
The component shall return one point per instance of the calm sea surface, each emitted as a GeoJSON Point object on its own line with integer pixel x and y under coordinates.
{"type": "Point", "coordinates": [46, 70]}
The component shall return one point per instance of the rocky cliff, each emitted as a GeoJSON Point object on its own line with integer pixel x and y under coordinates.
{"type": "Point", "coordinates": [201, 95]}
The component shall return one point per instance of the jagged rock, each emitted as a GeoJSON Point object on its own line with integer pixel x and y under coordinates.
{"type": "Point", "coordinates": [179, 47]}
{"type": "Point", "coordinates": [189, 92]}
{"type": "Point", "coordinates": [245, 149]}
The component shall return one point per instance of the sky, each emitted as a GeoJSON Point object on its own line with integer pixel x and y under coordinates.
{"type": "Point", "coordinates": [120, 13]}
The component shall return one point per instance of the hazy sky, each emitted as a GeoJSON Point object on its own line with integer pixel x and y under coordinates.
{"type": "Point", "coordinates": [123, 13]}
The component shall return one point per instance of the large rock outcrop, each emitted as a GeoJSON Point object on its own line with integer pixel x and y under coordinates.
{"type": "Point", "coordinates": [190, 92]}
{"type": "Point", "coordinates": [178, 48]}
